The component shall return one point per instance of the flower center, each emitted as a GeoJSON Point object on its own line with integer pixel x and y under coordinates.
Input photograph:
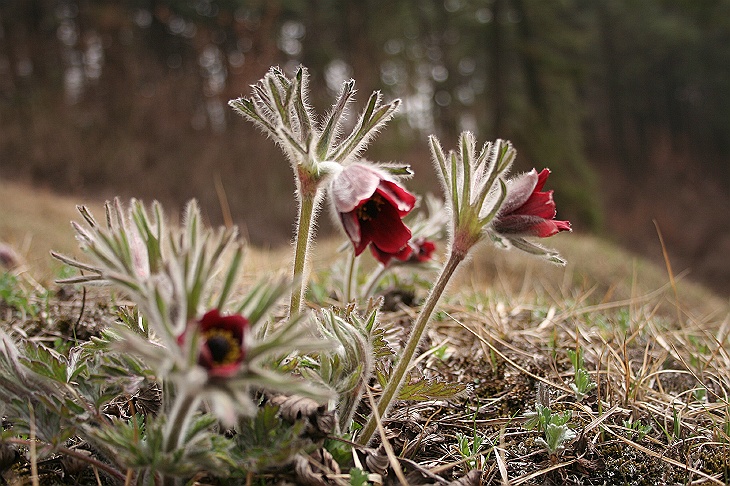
{"type": "Point", "coordinates": [224, 349]}
{"type": "Point", "coordinates": [371, 208]}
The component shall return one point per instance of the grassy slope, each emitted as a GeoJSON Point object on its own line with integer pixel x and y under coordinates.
{"type": "Point", "coordinates": [36, 221]}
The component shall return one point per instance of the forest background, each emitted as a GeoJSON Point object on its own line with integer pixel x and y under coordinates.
{"type": "Point", "coordinates": [627, 102]}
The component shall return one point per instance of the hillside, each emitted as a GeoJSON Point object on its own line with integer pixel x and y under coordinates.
{"type": "Point", "coordinates": [653, 353]}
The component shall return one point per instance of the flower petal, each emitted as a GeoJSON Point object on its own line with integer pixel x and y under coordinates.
{"type": "Point", "coordinates": [541, 179]}
{"type": "Point", "coordinates": [539, 204]}
{"type": "Point", "coordinates": [352, 228]}
{"type": "Point", "coordinates": [422, 250]}
{"type": "Point", "coordinates": [235, 324]}
{"type": "Point", "coordinates": [356, 183]}
{"type": "Point", "coordinates": [386, 231]}
{"type": "Point", "coordinates": [403, 254]}
{"type": "Point", "coordinates": [527, 225]}
{"type": "Point", "coordinates": [403, 200]}
{"type": "Point", "coordinates": [519, 190]}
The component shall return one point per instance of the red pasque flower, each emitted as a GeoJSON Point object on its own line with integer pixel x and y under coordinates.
{"type": "Point", "coordinates": [422, 250]}
{"type": "Point", "coordinates": [419, 250]}
{"type": "Point", "coordinates": [384, 257]}
{"type": "Point", "coordinates": [222, 343]}
{"type": "Point", "coordinates": [527, 210]}
{"type": "Point", "coordinates": [371, 205]}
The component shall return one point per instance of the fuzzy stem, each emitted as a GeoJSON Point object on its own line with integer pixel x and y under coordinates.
{"type": "Point", "coordinates": [351, 275]}
{"type": "Point", "coordinates": [399, 373]}
{"type": "Point", "coordinates": [376, 276]}
{"type": "Point", "coordinates": [304, 230]}
{"type": "Point", "coordinates": [179, 419]}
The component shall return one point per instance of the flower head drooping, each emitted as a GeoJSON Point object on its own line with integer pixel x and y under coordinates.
{"type": "Point", "coordinates": [371, 204]}
{"type": "Point", "coordinates": [476, 195]}
{"type": "Point", "coordinates": [423, 250]}
{"type": "Point", "coordinates": [418, 250]}
{"type": "Point", "coordinates": [279, 106]}
{"type": "Point", "coordinates": [403, 255]}
{"type": "Point", "coordinates": [527, 210]}
{"type": "Point", "coordinates": [222, 347]}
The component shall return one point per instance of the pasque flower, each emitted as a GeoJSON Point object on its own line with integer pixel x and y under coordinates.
{"type": "Point", "coordinates": [422, 250]}
{"type": "Point", "coordinates": [418, 250]}
{"type": "Point", "coordinates": [528, 210]}
{"type": "Point", "coordinates": [279, 106]}
{"type": "Point", "coordinates": [404, 254]}
{"type": "Point", "coordinates": [371, 205]}
{"type": "Point", "coordinates": [222, 345]}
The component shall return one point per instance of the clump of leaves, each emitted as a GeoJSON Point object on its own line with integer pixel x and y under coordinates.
{"type": "Point", "coordinates": [15, 295]}
{"type": "Point", "coordinates": [469, 447]}
{"type": "Point", "coordinates": [638, 429]}
{"type": "Point", "coordinates": [582, 382]}
{"type": "Point", "coordinates": [554, 425]}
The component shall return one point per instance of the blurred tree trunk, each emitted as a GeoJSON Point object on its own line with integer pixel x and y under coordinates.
{"type": "Point", "coordinates": [496, 76]}
{"type": "Point", "coordinates": [530, 58]}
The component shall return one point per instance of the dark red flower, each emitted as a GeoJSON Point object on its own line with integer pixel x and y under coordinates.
{"type": "Point", "coordinates": [527, 210]}
{"type": "Point", "coordinates": [222, 343]}
{"type": "Point", "coordinates": [370, 205]}
{"type": "Point", "coordinates": [383, 257]}
{"type": "Point", "coordinates": [419, 250]}
{"type": "Point", "coordinates": [422, 250]}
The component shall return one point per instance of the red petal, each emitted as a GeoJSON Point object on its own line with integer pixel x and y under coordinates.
{"type": "Point", "coordinates": [424, 251]}
{"type": "Point", "coordinates": [223, 371]}
{"type": "Point", "coordinates": [541, 179]}
{"type": "Point", "coordinates": [519, 190]}
{"type": "Point", "coordinates": [401, 199]}
{"type": "Point", "coordinates": [563, 225]}
{"type": "Point", "coordinates": [385, 258]}
{"type": "Point", "coordinates": [539, 204]}
{"type": "Point", "coordinates": [352, 227]}
{"type": "Point", "coordinates": [549, 228]}
{"type": "Point", "coordinates": [386, 231]}
{"type": "Point", "coordinates": [355, 184]}
{"type": "Point", "coordinates": [235, 323]}
{"type": "Point", "coordinates": [209, 319]}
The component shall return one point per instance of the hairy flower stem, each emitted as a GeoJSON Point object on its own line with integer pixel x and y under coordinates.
{"type": "Point", "coordinates": [304, 235]}
{"type": "Point", "coordinates": [179, 418]}
{"type": "Point", "coordinates": [400, 372]}
{"type": "Point", "coordinates": [351, 275]}
{"type": "Point", "coordinates": [373, 281]}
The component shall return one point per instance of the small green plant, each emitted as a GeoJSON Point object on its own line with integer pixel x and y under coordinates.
{"type": "Point", "coordinates": [469, 447]}
{"type": "Point", "coordinates": [554, 426]}
{"type": "Point", "coordinates": [676, 424]}
{"type": "Point", "coordinates": [700, 394]}
{"type": "Point", "coordinates": [582, 381]}
{"type": "Point", "coordinates": [725, 434]}
{"type": "Point", "coordinates": [672, 433]}
{"type": "Point", "coordinates": [442, 352]}
{"type": "Point", "coordinates": [638, 429]}
{"type": "Point", "coordinates": [13, 293]}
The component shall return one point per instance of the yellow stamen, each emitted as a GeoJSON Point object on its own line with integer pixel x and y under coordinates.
{"type": "Point", "coordinates": [223, 346]}
{"type": "Point", "coordinates": [371, 208]}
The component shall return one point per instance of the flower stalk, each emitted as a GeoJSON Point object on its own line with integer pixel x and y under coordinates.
{"type": "Point", "coordinates": [305, 229]}
{"type": "Point", "coordinates": [398, 376]}
{"type": "Point", "coordinates": [469, 180]}
{"type": "Point", "coordinates": [373, 280]}
{"type": "Point", "coordinates": [179, 419]}
{"type": "Point", "coordinates": [352, 270]}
